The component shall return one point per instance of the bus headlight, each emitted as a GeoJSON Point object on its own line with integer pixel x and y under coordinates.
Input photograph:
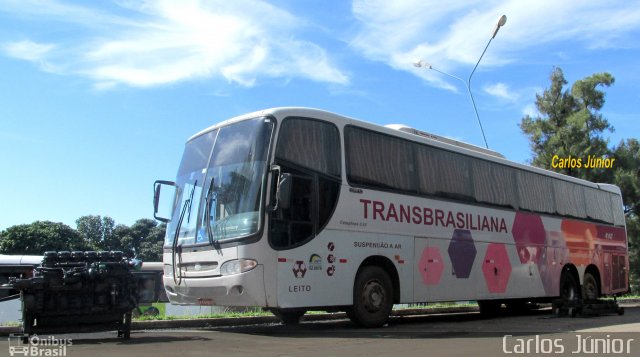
{"type": "Point", "coordinates": [237, 266]}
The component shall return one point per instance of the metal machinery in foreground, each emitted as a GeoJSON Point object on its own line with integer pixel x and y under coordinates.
{"type": "Point", "coordinates": [78, 292]}
{"type": "Point", "coordinates": [586, 308]}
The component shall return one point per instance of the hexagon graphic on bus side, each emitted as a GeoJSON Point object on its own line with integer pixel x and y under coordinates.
{"type": "Point", "coordinates": [496, 268]}
{"type": "Point", "coordinates": [529, 235]}
{"type": "Point", "coordinates": [462, 252]}
{"type": "Point", "coordinates": [431, 266]}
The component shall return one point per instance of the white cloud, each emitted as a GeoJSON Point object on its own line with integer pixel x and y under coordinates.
{"type": "Point", "coordinates": [28, 50]}
{"type": "Point", "coordinates": [451, 35]}
{"type": "Point", "coordinates": [501, 91]}
{"type": "Point", "coordinates": [161, 42]}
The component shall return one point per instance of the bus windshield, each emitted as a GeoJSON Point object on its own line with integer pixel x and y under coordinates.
{"type": "Point", "coordinates": [221, 184]}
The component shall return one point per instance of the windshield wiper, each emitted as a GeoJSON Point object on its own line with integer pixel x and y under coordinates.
{"type": "Point", "coordinates": [191, 200]}
{"type": "Point", "coordinates": [207, 210]}
{"type": "Point", "coordinates": [174, 246]}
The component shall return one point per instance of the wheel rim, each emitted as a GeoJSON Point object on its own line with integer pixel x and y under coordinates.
{"type": "Point", "coordinates": [373, 296]}
{"type": "Point", "coordinates": [590, 289]}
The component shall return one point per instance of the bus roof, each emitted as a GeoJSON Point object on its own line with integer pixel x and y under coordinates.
{"type": "Point", "coordinates": [407, 133]}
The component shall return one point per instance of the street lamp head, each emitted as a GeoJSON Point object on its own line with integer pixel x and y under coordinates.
{"type": "Point", "coordinates": [501, 22]}
{"type": "Point", "coordinates": [421, 64]}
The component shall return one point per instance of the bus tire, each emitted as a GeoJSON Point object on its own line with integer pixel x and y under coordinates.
{"type": "Point", "coordinates": [590, 291]}
{"type": "Point", "coordinates": [289, 316]}
{"type": "Point", "coordinates": [569, 292]}
{"type": "Point", "coordinates": [372, 297]}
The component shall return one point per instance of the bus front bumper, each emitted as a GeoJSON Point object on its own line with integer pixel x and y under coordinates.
{"type": "Point", "coordinates": [244, 289]}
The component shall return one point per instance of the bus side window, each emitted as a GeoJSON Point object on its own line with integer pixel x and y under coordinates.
{"type": "Point", "coordinates": [294, 225]}
{"type": "Point", "coordinates": [309, 150]}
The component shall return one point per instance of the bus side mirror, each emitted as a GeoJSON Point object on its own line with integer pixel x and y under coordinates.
{"type": "Point", "coordinates": [165, 201]}
{"type": "Point", "coordinates": [284, 190]}
{"type": "Point", "coordinates": [282, 195]}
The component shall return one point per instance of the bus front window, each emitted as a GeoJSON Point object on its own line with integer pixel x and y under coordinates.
{"type": "Point", "coordinates": [226, 169]}
{"type": "Point", "coordinates": [190, 181]}
{"type": "Point", "coordinates": [235, 181]}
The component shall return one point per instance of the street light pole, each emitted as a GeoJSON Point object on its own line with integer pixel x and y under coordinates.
{"type": "Point", "coordinates": [420, 63]}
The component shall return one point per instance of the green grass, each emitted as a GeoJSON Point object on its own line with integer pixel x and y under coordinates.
{"type": "Point", "coordinates": [227, 314]}
{"type": "Point", "coordinates": [260, 312]}
{"type": "Point", "coordinates": [624, 297]}
{"type": "Point", "coordinates": [11, 324]}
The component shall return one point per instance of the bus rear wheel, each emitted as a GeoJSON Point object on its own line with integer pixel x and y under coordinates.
{"type": "Point", "coordinates": [569, 295]}
{"type": "Point", "coordinates": [590, 291]}
{"type": "Point", "coordinates": [568, 288]}
{"type": "Point", "coordinates": [372, 297]}
{"type": "Point", "coordinates": [289, 316]}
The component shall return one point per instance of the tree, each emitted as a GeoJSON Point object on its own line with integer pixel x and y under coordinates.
{"type": "Point", "coordinates": [122, 235]}
{"type": "Point", "coordinates": [627, 173]}
{"type": "Point", "coordinates": [144, 239]}
{"type": "Point", "coordinates": [148, 237]}
{"type": "Point", "coordinates": [570, 124]}
{"type": "Point", "coordinates": [627, 177]}
{"type": "Point", "coordinates": [633, 232]}
{"type": "Point", "coordinates": [97, 231]}
{"type": "Point", "coordinates": [39, 237]}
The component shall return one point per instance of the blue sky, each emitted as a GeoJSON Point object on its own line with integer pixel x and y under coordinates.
{"type": "Point", "coordinates": [98, 98]}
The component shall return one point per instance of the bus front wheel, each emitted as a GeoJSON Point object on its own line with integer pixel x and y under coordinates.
{"type": "Point", "coordinates": [372, 297]}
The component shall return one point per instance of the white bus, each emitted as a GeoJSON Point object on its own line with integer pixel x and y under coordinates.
{"type": "Point", "coordinates": [294, 209]}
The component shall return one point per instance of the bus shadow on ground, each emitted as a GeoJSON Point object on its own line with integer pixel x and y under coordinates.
{"type": "Point", "coordinates": [441, 326]}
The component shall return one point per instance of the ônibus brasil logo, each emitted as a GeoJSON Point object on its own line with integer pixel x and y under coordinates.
{"type": "Point", "coordinates": [38, 346]}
